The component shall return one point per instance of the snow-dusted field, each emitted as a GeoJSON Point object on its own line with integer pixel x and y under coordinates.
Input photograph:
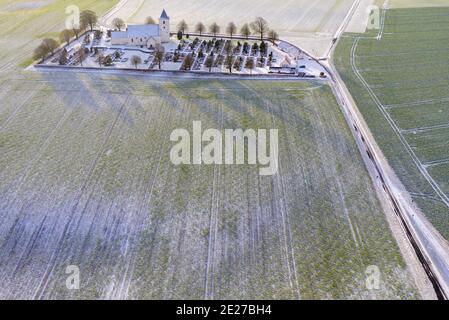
{"type": "Point", "coordinates": [85, 180]}
{"type": "Point", "coordinates": [417, 3]}
{"type": "Point", "coordinates": [25, 5]}
{"type": "Point", "coordinates": [359, 20]}
{"type": "Point", "coordinates": [310, 24]}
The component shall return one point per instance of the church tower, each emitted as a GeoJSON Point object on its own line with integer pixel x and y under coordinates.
{"type": "Point", "coordinates": [164, 27]}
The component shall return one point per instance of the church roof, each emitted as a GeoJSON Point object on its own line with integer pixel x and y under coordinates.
{"type": "Point", "coordinates": [119, 34]}
{"type": "Point", "coordinates": [144, 30]}
{"type": "Point", "coordinates": [164, 15]}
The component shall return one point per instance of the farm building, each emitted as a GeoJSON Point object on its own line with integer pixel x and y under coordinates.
{"type": "Point", "coordinates": [148, 35]}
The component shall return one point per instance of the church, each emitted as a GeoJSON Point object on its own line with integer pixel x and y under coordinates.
{"type": "Point", "coordinates": [146, 35]}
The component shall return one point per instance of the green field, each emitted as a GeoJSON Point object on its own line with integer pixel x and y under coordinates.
{"type": "Point", "coordinates": [86, 180]}
{"type": "Point", "coordinates": [24, 23]}
{"type": "Point", "coordinates": [400, 85]}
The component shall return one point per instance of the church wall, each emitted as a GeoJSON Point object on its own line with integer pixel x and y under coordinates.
{"type": "Point", "coordinates": [119, 41]}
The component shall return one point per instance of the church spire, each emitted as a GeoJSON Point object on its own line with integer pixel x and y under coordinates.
{"type": "Point", "coordinates": [164, 15]}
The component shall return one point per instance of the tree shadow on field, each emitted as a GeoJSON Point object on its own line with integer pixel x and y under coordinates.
{"type": "Point", "coordinates": [206, 96]}
{"type": "Point", "coordinates": [187, 96]}
{"type": "Point", "coordinates": [169, 92]}
{"type": "Point", "coordinates": [66, 85]}
{"type": "Point", "coordinates": [92, 89]}
{"type": "Point", "coordinates": [111, 87]}
{"type": "Point", "coordinates": [237, 99]}
{"type": "Point", "coordinates": [269, 100]}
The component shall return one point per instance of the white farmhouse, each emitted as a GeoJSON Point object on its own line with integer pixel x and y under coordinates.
{"type": "Point", "coordinates": [145, 35]}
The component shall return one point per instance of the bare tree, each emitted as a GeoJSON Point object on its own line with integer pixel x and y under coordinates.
{"type": "Point", "coordinates": [159, 55]}
{"type": "Point", "coordinates": [200, 28]}
{"type": "Point", "coordinates": [100, 59]}
{"type": "Point", "coordinates": [107, 61]}
{"type": "Point", "coordinates": [118, 24]}
{"type": "Point", "coordinates": [229, 62]}
{"type": "Point", "coordinates": [209, 62]}
{"type": "Point", "coordinates": [182, 26]}
{"type": "Point", "coordinates": [176, 56]}
{"type": "Point", "coordinates": [250, 65]}
{"type": "Point", "coordinates": [188, 62]}
{"type": "Point", "coordinates": [273, 36]}
{"type": "Point", "coordinates": [246, 31]}
{"type": "Point", "coordinates": [81, 54]}
{"type": "Point", "coordinates": [214, 28]}
{"type": "Point", "coordinates": [89, 19]}
{"type": "Point", "coordinates": [77, 32]}
{"type": "Point", "coordinates": [150, 20]}
{"type": "Point", "coordinates": [228, 48]}
{"type": "Point", "coordinates": [231, 29]}
{"type": "Point", "coordinates": [66, 35]}
{"type": "Point", "coordinates": [136, 60]}
{"type": "Point", "coordinates": [40, 53]}
{"type": "Point", "coordinates": [51, 45]}
{"type": "Point", "coordinates": [260, 26]}
{"type": "Point", "coordinates": [63, 57]}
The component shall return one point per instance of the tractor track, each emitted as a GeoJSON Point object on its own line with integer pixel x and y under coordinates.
{"type": "Point", "coordinates": [366, 143]}
{"type": "Point", "coordinates": [419, 250]}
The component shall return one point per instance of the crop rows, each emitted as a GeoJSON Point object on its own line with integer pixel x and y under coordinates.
{"type": "Point", "coordinates": [86, 180]}
{"type": "Point", "coordinates": [406, 72]}
{"type": "Point", "coordinates": [310, 24]}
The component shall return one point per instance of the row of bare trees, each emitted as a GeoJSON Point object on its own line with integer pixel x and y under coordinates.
{"type": "Point", "coordinates": [48, 46]}
{"type": "Point", "coordinates": [259, 27]}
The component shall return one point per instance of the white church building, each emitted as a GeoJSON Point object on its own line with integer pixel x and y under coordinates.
{"type": "Point", "coordinates": [145, 35]}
